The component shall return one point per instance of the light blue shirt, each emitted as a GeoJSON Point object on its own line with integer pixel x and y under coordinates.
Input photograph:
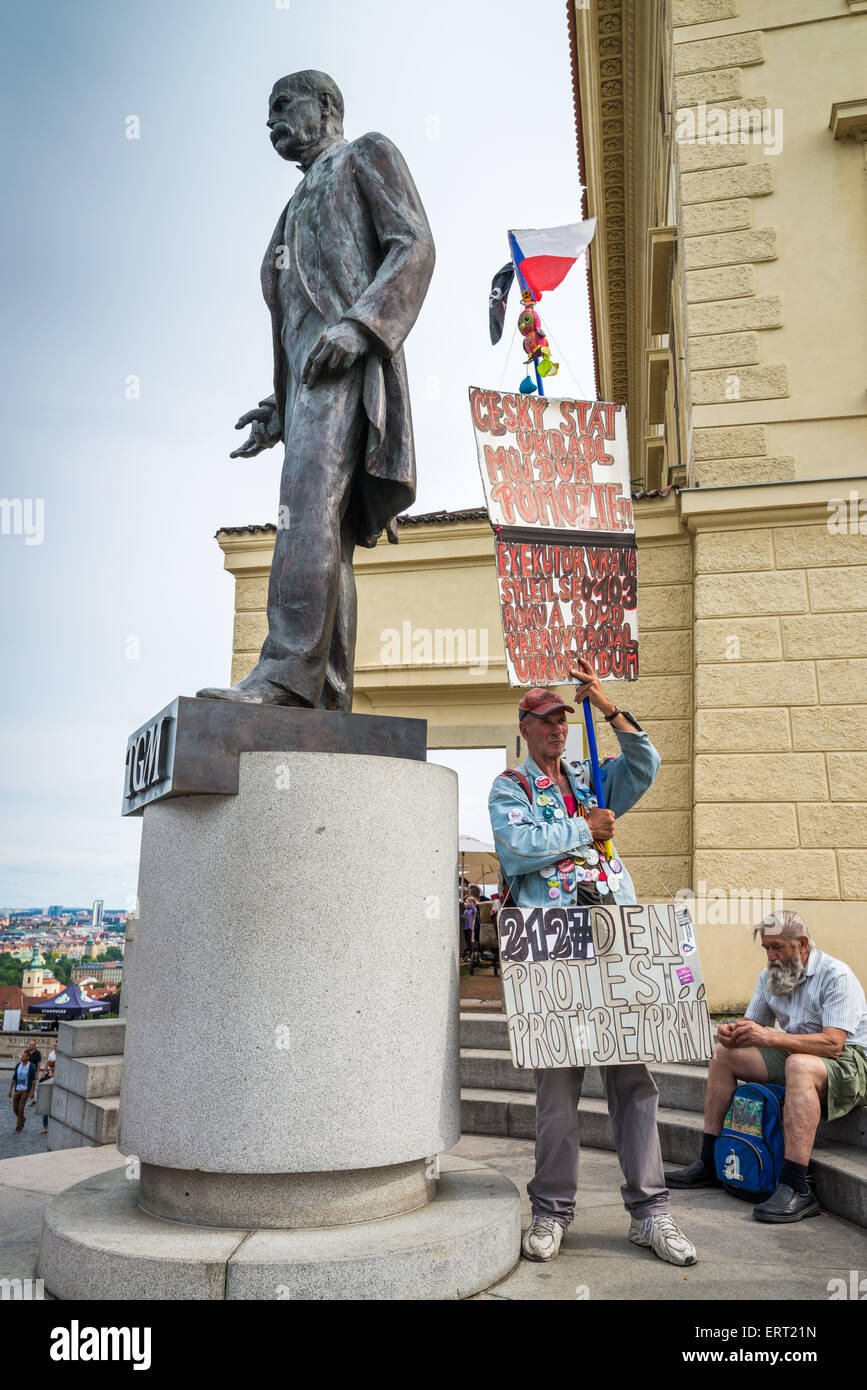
{"type": "Point", "coordinates": [527, 842]}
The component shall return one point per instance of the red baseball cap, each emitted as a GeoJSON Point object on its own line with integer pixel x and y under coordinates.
{"type": "Point", "coordinates": [542, 702]}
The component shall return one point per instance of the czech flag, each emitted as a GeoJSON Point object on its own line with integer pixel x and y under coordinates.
{"type": "Point", "coordinates": [544, 256]}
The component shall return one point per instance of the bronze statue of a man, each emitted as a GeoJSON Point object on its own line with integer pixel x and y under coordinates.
{"type": "Point", "coordinates": [344, 277]}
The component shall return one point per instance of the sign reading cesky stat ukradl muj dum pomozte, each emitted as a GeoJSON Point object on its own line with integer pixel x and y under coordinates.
{"type": "Point", "coordinates": [602, 986]}
{"type": "Point", "coordinates": [557, 490]}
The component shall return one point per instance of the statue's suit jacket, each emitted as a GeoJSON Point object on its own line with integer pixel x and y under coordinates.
{"type": "Point", "coordinates": [362, 249]}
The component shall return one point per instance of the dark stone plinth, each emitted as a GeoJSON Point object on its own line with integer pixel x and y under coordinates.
{"type": "Point", "coordinates": [192, 746]}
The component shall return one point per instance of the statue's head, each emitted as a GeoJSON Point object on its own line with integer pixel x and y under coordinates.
{"type": "Point", "coordinates": [305, 109]}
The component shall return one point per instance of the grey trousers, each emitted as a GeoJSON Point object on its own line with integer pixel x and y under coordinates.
{"type": "Point", "coordinates": [632, 1097]}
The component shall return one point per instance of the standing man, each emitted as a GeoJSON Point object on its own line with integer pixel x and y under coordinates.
{"type": "Point", "coordinates": [344, 278]}
{"type": "Point", "coordinates": [21, 1088]}
{"type": "Point", "coordinates": [563, 818]}
{"type": "Point", "coordinates": [815, 1046]}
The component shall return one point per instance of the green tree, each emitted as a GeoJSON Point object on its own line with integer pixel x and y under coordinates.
{"type": "Point", "coordinates": [11, 970]}
{"type": "Point", "coordinates": [61, 968]}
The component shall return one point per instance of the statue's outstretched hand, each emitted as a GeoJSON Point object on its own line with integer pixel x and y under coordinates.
{"type": "Point", "coordinates": [336, 350]}
{"type": "Point", "coordinates": [265, 429]}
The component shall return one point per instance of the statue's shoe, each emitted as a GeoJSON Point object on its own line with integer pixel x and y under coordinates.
{"type": "Point", "coordinates": [255, 693]}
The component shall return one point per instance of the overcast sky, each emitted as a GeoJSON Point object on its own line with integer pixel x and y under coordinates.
{"type": "Point", "coordinates": [139, 258]}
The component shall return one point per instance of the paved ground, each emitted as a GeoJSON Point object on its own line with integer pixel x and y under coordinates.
{"type": "Point", "coordinates": [483, 988]}
{"type": "Point", "coordinates": [27, 1185]}
{"type": "Point", "coordinates": [29, 1141]}
{"type": "Point", "coordinates": [739, 1259]}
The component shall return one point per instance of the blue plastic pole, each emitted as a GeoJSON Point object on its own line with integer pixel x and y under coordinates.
{"type": "Point", "coordinates": [594, 764]}
{"type": "Point", "coordinates": [594, 756]}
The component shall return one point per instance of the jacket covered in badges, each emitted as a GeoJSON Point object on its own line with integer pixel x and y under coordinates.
{"type": "Point", "coordinates": [526, 842]}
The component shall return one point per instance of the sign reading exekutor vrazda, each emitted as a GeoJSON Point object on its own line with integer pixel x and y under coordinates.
{"type": "Point", "coordinates": [602, 986]}
{"type": "Point", "coordinates": [557, 490]}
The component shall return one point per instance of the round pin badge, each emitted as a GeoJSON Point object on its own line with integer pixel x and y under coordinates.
{"type": "Point", "coordinates": [553, 892]}
{"type": "Point", "coordinates": [548, 872]}
{"type": "Point", "coordinates": [559, 814]}
{"type": "Point", "coordinates": [602, 887]}
{"type": "Point", "coordinates": [591, 855]}
{"type": "Point", "coordinates": [548, 813]}
{"type": "Point", "coordinates": [564, 865]}
{"type": "Point", "coordinates": [543, 781]}
{"type": "Point", "coordinates": [568, 885]}
{"type": "Point", "coordinates": [615, 866]}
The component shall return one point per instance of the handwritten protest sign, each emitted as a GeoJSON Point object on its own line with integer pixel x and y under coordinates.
{"type": "Point", "coordinates": [602, 986]}
{"type": "Point", "coordinates": [559, 599]}
{"type": "Point", "coordinates": [556, 480]}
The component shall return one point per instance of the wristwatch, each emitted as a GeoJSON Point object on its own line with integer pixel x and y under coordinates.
{"type": "Point", "coordinates": [609, 718]}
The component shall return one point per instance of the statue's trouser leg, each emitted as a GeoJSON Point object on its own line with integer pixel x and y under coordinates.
{"type": "Point", "coordinates": [311, 594]}
{"type": "Point", "coordinates": [337, 692]}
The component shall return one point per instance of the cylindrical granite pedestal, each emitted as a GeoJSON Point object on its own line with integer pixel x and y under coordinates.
{"type": "Point", "coordinates": [291, 1060]}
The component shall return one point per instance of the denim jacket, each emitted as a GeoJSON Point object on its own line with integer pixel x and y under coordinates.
{"type": "Point", "coordinates": [531, 843]}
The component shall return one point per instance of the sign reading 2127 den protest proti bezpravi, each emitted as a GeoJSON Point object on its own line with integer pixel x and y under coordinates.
{"type": "Point", "coordinates": [603, 986]}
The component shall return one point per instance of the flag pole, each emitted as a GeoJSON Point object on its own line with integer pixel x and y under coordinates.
{"type": "Point", "coordinates": [513, 247]}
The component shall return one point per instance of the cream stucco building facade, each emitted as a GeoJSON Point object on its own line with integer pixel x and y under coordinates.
{"type": "Point", "coordinates": [722, 144]}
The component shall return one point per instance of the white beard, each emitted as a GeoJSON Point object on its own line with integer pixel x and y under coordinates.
{"type": "Point", "coordinates": [782, 979]}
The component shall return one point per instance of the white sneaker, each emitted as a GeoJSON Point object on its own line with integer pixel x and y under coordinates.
{"type": "Point", "coordinates": [664, 1238]}
{"type": "Point", "coordinates": [542, 1241]}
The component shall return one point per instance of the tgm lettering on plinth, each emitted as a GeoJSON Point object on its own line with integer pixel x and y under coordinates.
{"type": "Point", "coordinates": [602, 986]}
{"type": "Point", "coordinates": [144, 758]}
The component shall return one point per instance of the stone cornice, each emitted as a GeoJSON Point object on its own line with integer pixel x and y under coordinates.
{"type": "Point", "coordinates": [765, 504]}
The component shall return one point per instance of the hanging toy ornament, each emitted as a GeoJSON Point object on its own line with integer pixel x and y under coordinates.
{"type": "Point", "coordinates": [535, 343]}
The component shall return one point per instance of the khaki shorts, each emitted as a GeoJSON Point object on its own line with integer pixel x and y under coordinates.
{"type": "Point", "coordinates": [847, 1077]}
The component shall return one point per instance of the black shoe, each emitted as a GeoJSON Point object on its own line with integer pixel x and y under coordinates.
{"type": "Point", "coordinates": [698, 1174]}
{"type": "Point", "coordinates": [787, 1205]}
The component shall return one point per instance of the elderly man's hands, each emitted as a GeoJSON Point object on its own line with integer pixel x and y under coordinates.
{"type": "Point", "coordinates": [590, 686]}
{"type": "Point", "coordinates": [601, 823]}
{"type": "Point", "coordinates": [336, 350]}
{"type": "Point", "coordinates": [744, 1033]}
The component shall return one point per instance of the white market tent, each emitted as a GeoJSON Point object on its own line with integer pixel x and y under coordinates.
{"type": "Point", "coordinates": [477, 861]}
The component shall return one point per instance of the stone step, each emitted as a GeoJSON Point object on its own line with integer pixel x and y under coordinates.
{"type": "Point", "coordinates": [850, 1130]}
{"type": "Point", "coordinates": [485, 1065]}
{"type": "Point", "coordinates": [43, 1097]}
{"type": "Point", "coordinates": [679, 1085]}
{"type": "Point", "coordinates": [92, 1037]}
{"type": "Point", "coordinates": [61, 1136]}
{"type": "Point", "coordinates": [89, 1076]}
{"type": "Point", "coordinates": [484, 1030]}
{"type": "Point", "coordinates": [840, 1170]}
{"type": "Point", "coordinates": [95, 1118]}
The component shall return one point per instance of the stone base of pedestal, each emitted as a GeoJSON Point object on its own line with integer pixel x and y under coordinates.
{"type": "Point", "coordinates": [97, 1243]}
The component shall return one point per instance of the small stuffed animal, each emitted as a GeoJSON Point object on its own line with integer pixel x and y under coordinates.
{"type": "Point", "coordinates": [535, 343]}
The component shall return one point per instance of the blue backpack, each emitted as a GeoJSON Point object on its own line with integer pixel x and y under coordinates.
{"type": "Point", "coordinates": [749, 1153]}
